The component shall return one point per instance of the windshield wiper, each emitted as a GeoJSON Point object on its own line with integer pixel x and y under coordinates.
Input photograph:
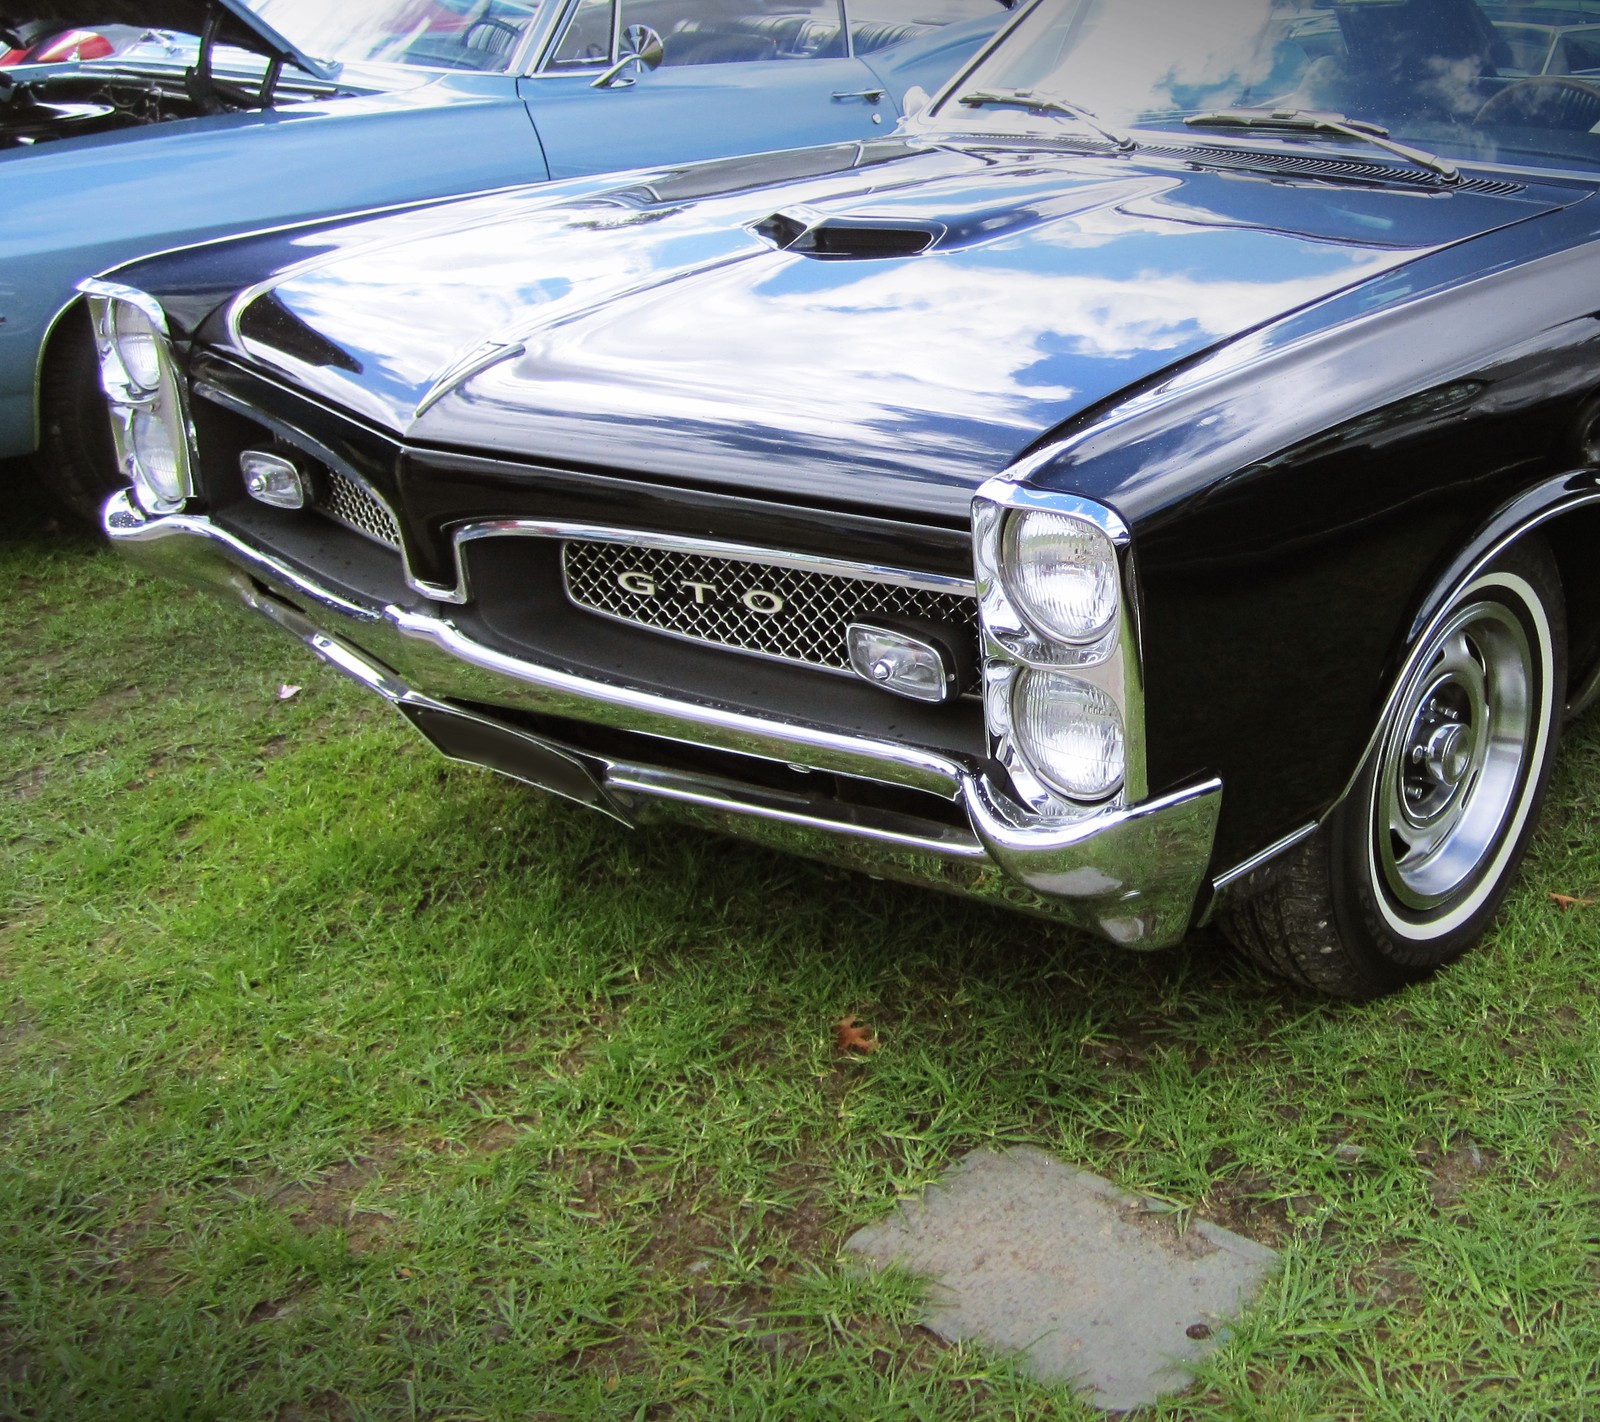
{"type": "Point", "coordinates": [1038, 103]}
{"type": "Point", "coordinates": [1304, 121]}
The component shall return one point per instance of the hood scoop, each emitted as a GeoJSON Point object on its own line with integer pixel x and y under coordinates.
{"type": "Point", "coordinates": [1031, 197]}
{"type": "Point", "coordinates": [847, 239]}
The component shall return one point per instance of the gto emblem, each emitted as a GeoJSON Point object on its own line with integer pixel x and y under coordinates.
{"type": "Point", "coordinates": [758, 600]}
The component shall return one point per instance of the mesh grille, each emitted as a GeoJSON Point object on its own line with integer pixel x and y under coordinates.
{"type": "Point", "coordinates": [795, 614]}
{"type": "Point", "coordinates": [346, 502]}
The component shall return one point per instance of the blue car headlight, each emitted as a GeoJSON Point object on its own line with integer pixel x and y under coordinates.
{"type": "Point", "coordinates": [149, 420]}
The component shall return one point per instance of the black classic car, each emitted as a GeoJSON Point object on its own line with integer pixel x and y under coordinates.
{"type": "Point", "coordinates": [1158, 483]}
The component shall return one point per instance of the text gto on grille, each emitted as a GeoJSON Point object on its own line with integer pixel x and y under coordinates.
{"type": "Point", "coordinates": [643, 585]}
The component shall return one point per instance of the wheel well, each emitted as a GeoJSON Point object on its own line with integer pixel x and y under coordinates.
{"type": "Point", "coordinates": [1574, 540]}
{"type": "Point", "coordinates": [67, 323]}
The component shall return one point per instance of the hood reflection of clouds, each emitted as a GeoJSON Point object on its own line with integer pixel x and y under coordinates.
{"type": "Point", "coordinates": [695, 322]}
{"type": "Point", "coordinates": [999, 344]}
{"type": "Point", "coordinates": [411, 309]}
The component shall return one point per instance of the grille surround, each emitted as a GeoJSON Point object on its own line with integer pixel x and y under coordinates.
{"type": "Point", "coordinates": [809, 630]}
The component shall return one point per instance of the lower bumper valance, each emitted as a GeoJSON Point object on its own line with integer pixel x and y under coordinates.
{"type": "Point", "coordinates": [1132, 874]}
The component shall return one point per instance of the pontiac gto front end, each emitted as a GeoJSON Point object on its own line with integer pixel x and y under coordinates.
{"type": "Point", "coordinates": [1158, 482]}
{"type": "Point", "coordinates": [1020, 779]}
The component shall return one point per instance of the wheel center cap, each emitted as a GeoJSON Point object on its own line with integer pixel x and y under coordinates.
{"type": "Point", "coordinates": [1448, 754]}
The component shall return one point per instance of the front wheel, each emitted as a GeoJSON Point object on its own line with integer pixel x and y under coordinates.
{"type": "Point", "coordinates": [76, 463]}
{"type": "Point", "coordinates": [1408, 871]}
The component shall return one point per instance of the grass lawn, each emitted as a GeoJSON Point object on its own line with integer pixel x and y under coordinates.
{"type": "Point", "coordinates": [338, 1082]}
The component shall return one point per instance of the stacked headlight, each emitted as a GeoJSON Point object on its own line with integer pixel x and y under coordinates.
{"type": "Point", "coordinates": [1062, 573]}
{"type": "Point", "coordinates": [149, 425]}
{"type": "Point", "coordinates": [1071, 732]}
{"type": "Point", "coordinates": [1061, 675]}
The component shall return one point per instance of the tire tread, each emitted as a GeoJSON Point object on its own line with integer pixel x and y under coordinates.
{"type": "Point", "coordinates": [1288, 928]}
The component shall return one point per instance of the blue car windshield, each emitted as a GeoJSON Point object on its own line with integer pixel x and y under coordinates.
{"type": "Point", "coordinates": [444, 34]}
{"type": "Point", "coordinates": [1451, 77]}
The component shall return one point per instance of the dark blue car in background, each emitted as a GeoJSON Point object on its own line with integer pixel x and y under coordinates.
{"type": "Point", "coordinates": [233, 115]}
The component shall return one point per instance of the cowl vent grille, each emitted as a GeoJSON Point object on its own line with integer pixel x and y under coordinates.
{"type": "Point", "coordinates": [1348, 169]}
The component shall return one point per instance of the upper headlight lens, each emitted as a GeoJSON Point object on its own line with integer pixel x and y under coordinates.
{"type": "Point", "coordinates": [1062, 572]}
{"type": "Point", "coordinates": [137, 344]}
{"type": "Point", "coordinates": [1071, 733]}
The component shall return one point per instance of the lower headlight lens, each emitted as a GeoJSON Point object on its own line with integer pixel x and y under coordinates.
{"type": "Point", "coordinates": [1070, 732]}
{"type": "Point", "coordinates": [1062, 571]}
{"type": "Point", "coordinates": [160, 472]}
{"type": "Point", "coordinates": [137, 344]}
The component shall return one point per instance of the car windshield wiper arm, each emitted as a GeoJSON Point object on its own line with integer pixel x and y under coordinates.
{"type": "Point", "coordinates": [1304, 121]}
{"type": "Point", "coordinates": [1045, 104]}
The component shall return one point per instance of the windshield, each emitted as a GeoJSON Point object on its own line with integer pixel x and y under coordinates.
{"type": "Point", "coordinates": [1452, 77]}
{"type": "Point", "coordinates": [436, 34]}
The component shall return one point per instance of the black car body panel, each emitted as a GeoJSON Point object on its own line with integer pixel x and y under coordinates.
{"type": "Point", "coordinates": [1308, 395]}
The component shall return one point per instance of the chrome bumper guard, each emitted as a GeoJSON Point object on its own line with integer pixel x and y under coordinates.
{"type": "Point", "coordinates": [1132, 875]}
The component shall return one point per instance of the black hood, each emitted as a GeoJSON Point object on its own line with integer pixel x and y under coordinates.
{"type": "Point", "coordinates": [901, 322]}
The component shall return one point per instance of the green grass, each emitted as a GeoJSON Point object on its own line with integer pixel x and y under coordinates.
{"type": "Point", "coordinates": [337, 1082]}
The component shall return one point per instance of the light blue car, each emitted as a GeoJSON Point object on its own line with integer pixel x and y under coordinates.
{"type": "Point", "coordinates": [235, 115]}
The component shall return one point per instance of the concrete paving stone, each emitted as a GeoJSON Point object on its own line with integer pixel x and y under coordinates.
{"type": "Point", "coordinates": [1082, 1281]}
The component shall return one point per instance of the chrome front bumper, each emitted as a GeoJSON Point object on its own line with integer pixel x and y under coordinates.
{"type": "Point", "coordinates": [1132, 875]}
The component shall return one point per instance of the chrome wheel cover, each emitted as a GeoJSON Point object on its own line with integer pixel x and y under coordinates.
{"type": "Point", "coordinates": [1455, 761]}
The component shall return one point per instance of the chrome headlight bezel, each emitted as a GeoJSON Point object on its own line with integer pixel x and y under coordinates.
{"type": "Point", "coordinates": [140, 392]}
{"type": "Point", "coordinates": [1017, 643]}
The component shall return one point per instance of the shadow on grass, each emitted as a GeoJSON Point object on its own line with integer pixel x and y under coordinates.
{"type": "Point", "coordinates": [33, 516]}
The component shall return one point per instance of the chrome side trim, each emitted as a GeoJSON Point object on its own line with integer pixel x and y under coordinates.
{"type": "Point", "coordinates": [1585, 696]}
{"type": "Point", "coordinates": [1263, 858]}
{"type": "Point", "coordinates": [709, 547]}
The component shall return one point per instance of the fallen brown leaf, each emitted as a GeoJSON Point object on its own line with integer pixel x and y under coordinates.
{"type": "Point", "coordinates": [851, 1034]}
{"type": "Point", "coordinates": [1567, 902]}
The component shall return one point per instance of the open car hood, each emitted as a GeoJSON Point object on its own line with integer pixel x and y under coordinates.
{"type": "Point", "coordinates": [243, 27]}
